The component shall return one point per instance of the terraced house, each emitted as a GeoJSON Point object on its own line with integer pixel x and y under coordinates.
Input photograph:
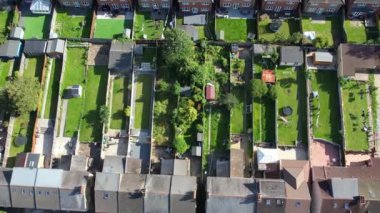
{"type": "Point", "coordinates": [115, 4]}
{"type": "Point", "coordinates": [362, 8]}
{"type": "Point", "coordinates": [195, 6]}
{"type": "Point", "coordinates": [322, 6]}
{"type": "Point", "coordinates": [155, 4]}
{"type": "Point", "coordinates": [286, 7]}
{"type": "Point", "coordinates": [76, 3]}
{"type": "Point", "coordinates": [237, 4]}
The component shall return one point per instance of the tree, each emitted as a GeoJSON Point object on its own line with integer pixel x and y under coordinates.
{"type": "Point", "coordinates": [295, 38]}
{"type": "Point", "coordinates": [162, 86]}
{"type": "Point", "coordinates": [258, 88]}
{"type": "Point", "coordinates": [127, 111]}
{"type": "Point", "coordinates": [187, 114]}
{"type": "Point", "coordinates": [160, 107]}
{"type": "Point", "coordinates": [178, 47]}
{"type": "Point", "coordinates": [274, 57]}
{"type": "Point", "coordinates": [180, 144]}
{"type": "Point", "coordinates": [272, 93]}
{"type": "Point", "coordinates": [104, 114]}
{"type": "Point", "coordinates": [320, 42]}
{"type": "Point", "coordinates": [20, 96]}
{"type": "Point", "coordinates": [229, 100]}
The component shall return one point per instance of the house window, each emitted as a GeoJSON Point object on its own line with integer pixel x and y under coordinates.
{"type": "Point", "coordinates": [145, 4]}
{"type": "Point", "coordinates": [335, 205]}
{"type": "Point", "coordinates": [298, 204]}
{"type": "Point", "coordinates": [106, 196]}
{"type": "Point", "coordinates": [290, 2]}
{"type": "Point", "coordinates": [185, 3]}
{"type": "Point", "coordinates": [205, 3]}
{"type": "Point", "coordinates": [186, 9]}
{"type": "Point", "coordinates": [279, 202]}
{"type": "Point", "coordinates": [268, 7]}
{"type": "Point", "coordinates": [204, 9]}
{"type": "Point", "coordinates": [85, 3]}
{"type": "Point", "coordinates": [346, 206]}
{"type": "Point", "coordinates": [39, 193]}
{"type": "Point", "coordinates": [331, 10]}
{"type": "Point", "coordinates": [165, 5]}
{"type": "Point", "coordinates": [270, 2]}
{"type": "Point", "coordinates": [227, 5]}
{"type": "Point", "coordinates": [23, 192]}
{"type": "Point", "coordinates": [47, 193]}
{"type": "Point", "coordinates": [246, 4]}
{"type": "Point", "coordinates": [288, 8]}
{"type": "Point", "coordinates": [267, 202]}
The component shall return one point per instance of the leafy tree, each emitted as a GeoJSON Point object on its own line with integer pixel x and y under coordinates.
{"type": "Point", "coordinates": [279, 37]}
{"type": "Point", "coordinates": [104, 114]}
{"type": "Point", "coordinates": [127, 111]}
{"type": "Point", "coordinates": [20, 96]}
{"type": "Point", "coordinates": [272, 93]}
{"type": "Point", "coordinates": [229, 100]}
{"type": "Point", "coordinates": [159, 108]}
{"type": "Point", "coordinates": [320, 42]}
{"type": "Point", "coordinates": [162, 86]}
{"type": "Point", "coordinates": [258, 88]}
{"type": "Point", "coordinates": [176, 88]}
{"type": "Point", "coordinates": [178, 47]}
{"type": "Point", "coordinates": [274, 57]}
{"type": "Point", "coordinates": [187, 114]}
{"type": "Point", "coordinates": [222, 78]}
{"type": "Point", "coordinates": [295, 38]}
{"type": "Point", "coordinates": [180, 144]}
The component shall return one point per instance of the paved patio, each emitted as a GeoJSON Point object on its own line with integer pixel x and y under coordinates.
{"type": "Point", "coordinates": [324, 154]}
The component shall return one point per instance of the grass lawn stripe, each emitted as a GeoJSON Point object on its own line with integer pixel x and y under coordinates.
{"type": "Point", "coordinates": [70, 26]}
{"type": "Point", "coordinates": [4, 69]}
{"type": "Point", "coordinates": [111, 28]}
{"type": "Point", "coordinates": [95, 97]}
{"type": "Point", "coordinates": [237, 112]}
{"type": "Point", "coordinates": [235, 29]}
{"type": "Point", "coordinates": [264, 114]}
{"type": "Point", "coordinates": [53, 90]}
{"type": "Point", "coordinates": [287, 28]}
{"type": "Point", "coordinates": [144, 85]}
{"type": "Point", "coordinates": [326, 83]}
{"type": "Point", "coordinates": [119, 103]}
{"type": "Point", "coordinates": [144, 24]}
{"type": "Point", "coordinates": [36, 26]}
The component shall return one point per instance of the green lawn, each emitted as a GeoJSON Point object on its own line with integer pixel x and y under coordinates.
{"type": "Point", "coordinates": [287, 28]}
{"type": "Point", "coordinates": [111, 28]}
{"type": "Point", "coordinates": [73, 26]}
{"type": "Point", "coordinates": [353, 104]}
{"type": "Point", "coordinates": [23, 126]}
{"type": "Point", "coordinates": [4, 69]}
{"type": "Point", "coordinates": [36, 26]}
{"type": "Point", "coordinates": [237, 112]}
{"type": "Point", "coordinates": [143, 97]}
{"type": "Point", "coordinates": [357, 33]}
{"type": "Point", "coordinates": [119, 103]}
{"type": "Point", "coordinates": [326, 120]}
{"type": "Point", "coordinates": [5, 20]}
{"type": "Point", "coordinates": [144, 25]}
{"type": "Point", "coordinates": [235, 30]}
{"type": "Point", "coordinates": [74, 75]}
{"type": "Point", "coordinates": [331, 28]}
{"type": "Point", "coordinates": [53, 90]}
{"type": "Point", "coordinates": [264, 116]}
{"type": "Point", "coordinates": [94, 98]}
{"type": "Point", "coordinates": [203, 31]}
{"type": "Point", "coordinates": [34, 67]}
{"type": "Point", "coordinates": [291, 91]}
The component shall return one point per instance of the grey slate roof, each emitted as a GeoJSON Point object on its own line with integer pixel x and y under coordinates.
{"type": "Point", "coordinates": [48, 182]}
{"type": "Point", "coordinates": [5, 179]}
{"type": "Point", "coordinates": [17, 33]}
{"type": "Point", "coordinates": [272, 188]}
{"type": "Point", "coordinates": [55, 46]}
{"type": "Point", "coordinates": [230, 195]}
{"type": "Point", "coordinates": [183, 194]}
{"type": "Point", "coordinates": [344, 188]}
{"type": "Point", "coordinates": [291, 55]}
{"type": "Point", "coordinates": [131, 197]}
{"type": "Point", "coordinates": [167, 166]}
{"type": "Point", "coordinates": [22, 189]}
{"type": "Point", "coordinates": [181, 167]}
{"type": "Point", "coordinates": [35, 47]}
{"type": "Point", "coordinates": [114, 164]}
{"type": "Point", "coordinates": [141, 151]}
{"type": "Point", "coordinates": [106, 192]}
{"type": "Point", "coordinates": [121, 55]}
{"type": "Point", "coordinates": [73, 191]}
{"type": "Point", "coordinates": [10, 49]}
{"type": "Point", "coordinates": [133, 166]}
{"type": "Point", "coordinates": [199, 19]}
{"type": "Point", "coordinates": [32, 160]}
{"type": "Point", "coordinates": [157, 193]}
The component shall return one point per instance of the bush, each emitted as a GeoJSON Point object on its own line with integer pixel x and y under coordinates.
{"type": "Point", "coordinates": [127, 111]}
{"type": "Point", "coordinates": [104, 114]}
{"type": "Point", "coordinates": [180, 144]}
{"type": "Point", "coordinates": [199, 128]}
{"type": "Point", "coordinates": [258, 88]}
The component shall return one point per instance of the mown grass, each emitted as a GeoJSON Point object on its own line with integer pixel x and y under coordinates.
{"type": "Point", "coordinates": [73, 26]}
{"type": "Point", "coordinates": [111, 28]}
{"type": "Point", "coordinates": [119, 103]}
{"type": "Point", "coordinates": [144, 84]}
{"type": "Point", "coordinates": [53, 90]}
{"type": "Point", "coordinates": [235, 30]}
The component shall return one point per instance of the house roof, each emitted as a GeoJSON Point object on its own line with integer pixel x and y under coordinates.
{"type": "Point", "coordinates": [107, 181]}
{"type": "Point", "coordinates": [267, 155]}
{"type": "Point", "coordinates": [291, 54]}
{"type": "Point", "coordinates": [19, 174]}
{"type": "Point", "coordinates": [132, 182]}
{"type": "Point", "coordinates": [199, 19]}
{"type": "Point", "coordinates": [344, 188]}
{"type": "Point", "coordinates": [40, 5]}
{"type": "Point", "coordinates": [353, 57]}
{"type": "Point", "coordinates": [157, 193]}
{"type": "Point", "coordinates": [141, 151]}
{"type": "Point", "coordinates": [120, 56]}
{"type": "Point", "coordinates": [181, 167]}
{"type": "Point", "coordinates": [237, 163]}
{"type": "Point", "coordinates": [230, 194]}
{"type": "Point", "coordinates": [17, 33]}
{"type": "Point", "coordinates": [78, 163]}
{"type": "Point", "coordinates": [35, 47]}
{"type": "Point", "coordinates": [133, 165]}
{"type": "Point", "coordinates": [71, 182]}
{"type": "Point", "coordinates": [268, 76]}
{"type": "Point", "coordinates": [210, 92]}
{"type": "Point", "coordinates": [33, 160]}
{"type": "Point", "coordinates": [5, 179]}
{"type": "Point", "coordinates": [272, 188]}
{"type": "Point", "coordinates": [167, 166]}
{"type": "Point", "coordinates": [222, 168]}
{"type": "Point", "coordinates": [369, 189]}
{"type": "Point", "coordinates": [5, 176]}
{"type": "Point", "coordinates": [49, 178]}
{"type": "Point", "coordinates": [131, 192]}
{"type": "Point", "coordinates": [183, 194]}
{"type": "Point", "coordinates": [55, 46]}
{"type": "Point", "coordinates": [10, 49]}
{"type": "Point", "coordinates": [114, 164]}
{"type": "Point", "coordinates": [196, 151]}
{"type": "Point", "coordinates": [323, 57]}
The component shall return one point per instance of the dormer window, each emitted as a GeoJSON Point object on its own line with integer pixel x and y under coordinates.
{"type": "Point", "coordinates": [267, 202]}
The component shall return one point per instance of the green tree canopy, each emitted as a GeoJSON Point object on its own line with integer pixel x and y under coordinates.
{"type": "Point", "coordinates": [229, 100]}
{"type": "Point", "coordinates": [104, 114]}
{"type": "Point", "coordinates": [180, 144]}
{"type": "Point", "coordinates": [178, 47]}
{"type": "Point", "coordinates": [258, 88]}
{"type": "Point", "coordinates": [20, 96]}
